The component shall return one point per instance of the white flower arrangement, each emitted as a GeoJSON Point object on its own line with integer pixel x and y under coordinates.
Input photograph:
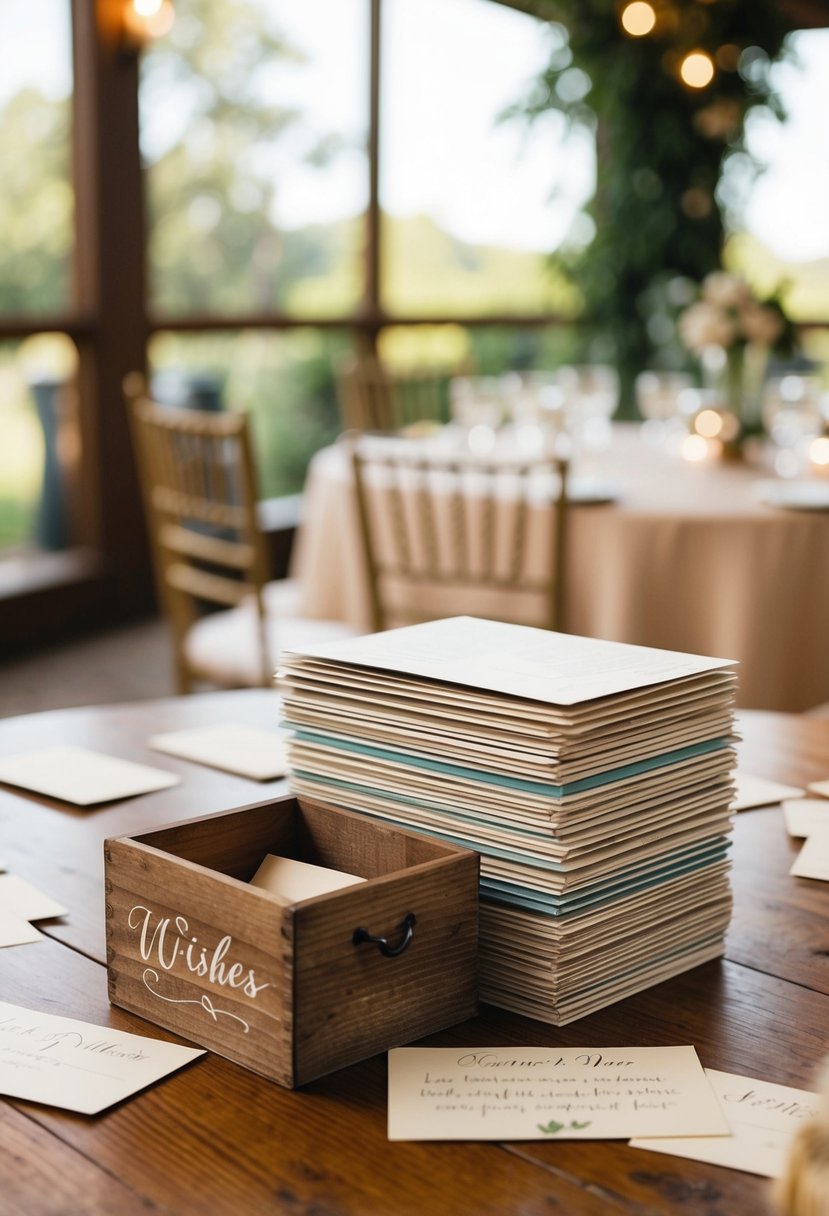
{"type": "Point", "coordinates": [728, 314]}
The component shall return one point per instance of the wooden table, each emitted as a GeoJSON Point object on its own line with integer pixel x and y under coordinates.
{"type": "Point", "coordinates": [215, 1138]}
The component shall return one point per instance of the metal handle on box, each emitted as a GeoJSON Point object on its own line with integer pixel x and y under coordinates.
{"type": "Point", "coordinates": [406, 927]}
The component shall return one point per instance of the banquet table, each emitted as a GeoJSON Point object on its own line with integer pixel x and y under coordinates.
{"type": "Point", "coordinates": [215, 1138]}
{"type": "Point", "coordinates": [684, 556]}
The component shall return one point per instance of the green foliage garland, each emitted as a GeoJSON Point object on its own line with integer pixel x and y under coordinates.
{"type": "Point", "coordinates": [661, 149]}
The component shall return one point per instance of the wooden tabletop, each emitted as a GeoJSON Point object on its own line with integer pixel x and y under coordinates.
{"type": "Point", "coordinates": [215, 1138]}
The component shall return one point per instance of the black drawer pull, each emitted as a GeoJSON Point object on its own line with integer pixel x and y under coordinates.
{"type": "Point", "coordinates": [382, 943]}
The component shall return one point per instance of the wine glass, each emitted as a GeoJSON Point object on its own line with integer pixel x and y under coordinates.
{"type": "Point", "coordinates": [792, 416]}
{"type": "Point", "coordinates": [658, 397]}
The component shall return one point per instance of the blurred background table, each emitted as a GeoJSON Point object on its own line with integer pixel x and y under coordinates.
{"type": "Point", "coordinates": [685, 557]}
{"type": "Point", "coordinates": [218, 1139]}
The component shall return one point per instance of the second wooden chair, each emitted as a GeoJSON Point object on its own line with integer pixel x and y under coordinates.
{"type": "Point", "coordinates": [198, 485]}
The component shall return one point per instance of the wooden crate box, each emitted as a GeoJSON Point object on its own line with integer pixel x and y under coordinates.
{"type": "Point", "coordinates": [291, 991]}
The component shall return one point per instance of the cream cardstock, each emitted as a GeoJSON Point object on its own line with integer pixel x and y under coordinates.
{"type": "Point", "coordinates": [292, 881]}
{"type": "Point", "coordinates": [521, 661]}
{"type": "Point", "coordinates": [763, 1118]}
{"type": "Point", "coordinates": [24, 900]}
{"type": "Point", "coordinates": [245, 751]}
{"type": "Point", "coordinates": [821, 788]}
{"type": "Point", "coordinates": [806, 815]}
{"type": "Point", "coordinates": [541, 1093]}
{"type": "Point", "coordinates": [757, 791]}
{"type": "Point", "coordinates": [813, 859]}
{"type": "Point", "coordinates": [77, 1065]}
{"type": "Point", "coordinates": [74, 774]}
{"type": "Point", "coordinates": [15, 930]}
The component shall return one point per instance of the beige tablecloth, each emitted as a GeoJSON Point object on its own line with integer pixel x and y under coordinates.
{"type": "Point", "coordinates": [686, 558]}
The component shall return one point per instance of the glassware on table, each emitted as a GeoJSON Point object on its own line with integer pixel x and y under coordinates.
{"type": "Point", "coordinates": [476, 406]}
{"type": "Point", "coordinates": [590, 396]}
{"type": "Point", "coordinates": [659, 397]}
{"type": "Point", "coordinates": [793, 418]}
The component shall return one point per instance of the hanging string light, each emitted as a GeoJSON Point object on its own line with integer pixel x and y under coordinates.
{"type": "Point", "coordinates": [638, 18]}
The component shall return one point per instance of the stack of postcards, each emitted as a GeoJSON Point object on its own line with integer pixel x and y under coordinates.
{"type": "Point", "coordinates": [593, 778]}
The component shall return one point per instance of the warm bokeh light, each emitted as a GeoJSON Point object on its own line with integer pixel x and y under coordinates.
{"type": "Point", "coordinates": [819, 451]}
{"type": "Point", "coordinates": [695, 448]}
{"type": "Point", "coordinates": [697, 69]}
{"type": "Point", "coordinates": [147, 19]}
{"type": "Point", "coordinates": [708, 423]}
{"type": "Point", "coordinates": [638, 18]}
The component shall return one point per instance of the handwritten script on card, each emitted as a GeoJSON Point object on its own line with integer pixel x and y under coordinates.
{"type": "Point", "coordinates": [77, 1065]}
{"type": "Point", "coordinates": [505, 1093]}
{"type": "Point", "coordinates": [763, 1118]}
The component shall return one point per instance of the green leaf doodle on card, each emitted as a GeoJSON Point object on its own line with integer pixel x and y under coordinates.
{"type": "Point", "coordinates": [553, 1127]}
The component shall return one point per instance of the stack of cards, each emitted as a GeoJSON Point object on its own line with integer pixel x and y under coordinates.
{"type": "Point", "coordinates": [593, 778]}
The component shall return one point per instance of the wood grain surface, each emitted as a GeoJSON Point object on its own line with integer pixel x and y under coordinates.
{"type": "Point", "coordinates": [217, 1138]}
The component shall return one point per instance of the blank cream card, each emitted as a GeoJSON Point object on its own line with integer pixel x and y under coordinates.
{"type": "Point", "coordinates": [538, 1093]}
{"type": "Point", "coordinates": [813, 859]}
{"type": "Point", "coordinates": [806, 815]}
{"type": "Point", "coordinates": [820, 788]}
{"type": "Point", "coordinates": [758, 791]}
{"type": "Point", "coordinates": [518, 660]}
{"type": "Point", "coordinates": [15, 930]}
{"type": "Point", "coordinates": [763, 1118]}
{"type": "Point", "coordinates": [245, 751]}
{"type": "Point", "coordinates": [77, 1065]}
{"type": "Point", "coordinates": [24, 900]}
{"type": "Point", "coordinates": [292, 881]}
{"type": "Point", "coordinates": [85, 778]}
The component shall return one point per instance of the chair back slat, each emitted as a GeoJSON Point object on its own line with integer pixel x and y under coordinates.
{"type": "Point", "coordinates": [433, 525]}
{"type": "Point", "coordinates": [198, 483]}
{"type": "Point", "coordinates": [372, 398]}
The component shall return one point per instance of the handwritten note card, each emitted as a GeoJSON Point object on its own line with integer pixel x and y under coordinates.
{"type": "Point", "coordinates": [763, 1118]}
{"type": "Point", "coordinates": [539, 1093]}
{"type": "Point", "coordinates": [74, 774]}
{"type": "Point", "coordinates": [77, 1065]}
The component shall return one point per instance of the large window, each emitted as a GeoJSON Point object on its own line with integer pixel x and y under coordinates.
{"type": "Point", "coordinates": [254, 119]}
{"type": "Point", "coordinates": [781, 232]}
{"type": "Point", "coordinates": [36, 269]}
{"type": "Point", "coordinates": [473, 202]}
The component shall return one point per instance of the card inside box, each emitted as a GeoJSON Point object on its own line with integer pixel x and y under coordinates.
{"type": "Point", "coordinates": [292, 991]}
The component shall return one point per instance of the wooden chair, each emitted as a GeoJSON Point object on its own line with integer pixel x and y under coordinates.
{"type": "Point", "coordinates": [198, 485]}
{"type": "Point", "coordinates": [444, 536]}
{"type": "Point", "coordinates": [371, 398]}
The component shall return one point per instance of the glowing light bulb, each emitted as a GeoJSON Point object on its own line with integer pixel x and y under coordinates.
{"type": "Point", "coordinates": [638, 18]}
{"type": "Point", "coordinates": [697, 69]}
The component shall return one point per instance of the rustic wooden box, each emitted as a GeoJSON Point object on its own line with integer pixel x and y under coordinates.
{"type": "Point", "coordinates": [286, 990]}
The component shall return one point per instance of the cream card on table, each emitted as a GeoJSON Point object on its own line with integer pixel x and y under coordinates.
{"type": "Point", "coordinates": [763, 1118]}
{"type": "Point", "coordinates": [820, 788]}
{"type": "Point", "coordinates": [806, 815]}
{"type": "Point", "coordinates": [24, 900]}
{"type": "Point", "coordinates": [85, 778]}
{"type": "Point", "coordinates": [540, 1093]}
{"type": "Point", "coordinates": [245, 751]}
{"type": "Point", "coordinates": [15, 930]}
{"type": "Point", "coordinates": [813, 859]}
{"type": "Point", "coordinates": [757, 791]}
{"type": "Point", "coordinates": [292, 881]}
{"type": "Point", "coordinates": [77, 1065]}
